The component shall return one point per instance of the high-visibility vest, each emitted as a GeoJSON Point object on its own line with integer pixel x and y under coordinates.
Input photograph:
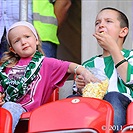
{"type": "Point", "coordinates": [45, 21]}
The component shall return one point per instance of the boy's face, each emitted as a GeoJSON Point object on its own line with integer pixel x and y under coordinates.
{"type": "Point", "coordinates": [106, 21]}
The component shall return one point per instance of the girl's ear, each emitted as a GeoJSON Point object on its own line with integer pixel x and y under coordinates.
{"type": "Point", "coordinates": [37, 42]}
{"type": "Point", "coordinates": [123, 32]}
{"type": "Point", "coordinates": [11, 49]}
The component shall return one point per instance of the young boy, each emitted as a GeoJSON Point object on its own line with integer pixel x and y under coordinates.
{"type": "Point", "coordinates": [111, 29]}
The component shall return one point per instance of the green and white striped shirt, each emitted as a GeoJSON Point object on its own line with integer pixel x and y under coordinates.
{"type": "Point", "coordinates": [107, 66]}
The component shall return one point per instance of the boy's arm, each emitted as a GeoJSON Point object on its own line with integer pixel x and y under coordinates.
{"type": "Point", "coordinates": [113, 48]}
{"type": "Point", "coordinates": [120, 63]}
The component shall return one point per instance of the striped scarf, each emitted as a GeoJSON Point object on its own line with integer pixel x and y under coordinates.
{"type": "Point", "coordinates": [15, 89]}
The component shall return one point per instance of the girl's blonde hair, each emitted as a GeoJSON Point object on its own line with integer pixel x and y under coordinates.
{"type": "Point", "coordinates": [12, 57]}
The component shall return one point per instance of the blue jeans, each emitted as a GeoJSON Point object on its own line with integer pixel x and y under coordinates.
{"type": "Point", "coordinates": [50, 49]}
{"type": "Point", "coordinates": [16, 110]}
{"type": "Point", "coordinates": [120, 103]}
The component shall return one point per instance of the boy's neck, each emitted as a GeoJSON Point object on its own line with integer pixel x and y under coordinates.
{"type": "Point", "coordinates": [106, 53]}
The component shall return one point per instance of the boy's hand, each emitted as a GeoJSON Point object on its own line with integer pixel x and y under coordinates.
{"type": "Point", "coordinates": [80, 83]}
{"type": "Point", "coordinates": [105, 41]}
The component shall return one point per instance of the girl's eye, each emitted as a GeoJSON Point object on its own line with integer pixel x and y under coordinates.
{"type": "Point", "coordinates": [16, 41]}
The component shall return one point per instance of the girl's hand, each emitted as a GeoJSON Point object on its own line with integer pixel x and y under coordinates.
{"type": "Point", "coordinates": [85, 78]}
{"type": "Point", "coordinates": [2, 95]}
{"type": "Point", "coordinates": [89, 77]}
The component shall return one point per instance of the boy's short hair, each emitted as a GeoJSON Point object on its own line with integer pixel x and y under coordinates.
{"type": "Point", "coordinates": [121, 17]}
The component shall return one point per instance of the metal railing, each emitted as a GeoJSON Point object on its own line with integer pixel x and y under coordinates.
{"type": "Point", "coordinates": [23, 10]}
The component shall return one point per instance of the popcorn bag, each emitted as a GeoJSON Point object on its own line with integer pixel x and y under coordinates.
{"type": "Point", "coordinates": [96, 90]}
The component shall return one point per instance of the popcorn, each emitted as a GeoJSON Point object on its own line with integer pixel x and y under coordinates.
{"type": "Point", "coordinates": [96, 90]}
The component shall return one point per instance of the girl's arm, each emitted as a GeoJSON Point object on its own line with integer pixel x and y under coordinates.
{"type": "Point", "coordinates": [80, 70]}
{"type": "Point", "coordinates": [2, 95]}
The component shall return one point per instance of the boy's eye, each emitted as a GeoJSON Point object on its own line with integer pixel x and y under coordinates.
{"type": "Point", "coordinates": [97, 23]}
{"type": "Point", "coordinates": [109, 21]}
{"type": "Point", "coordinates": [27, 36]}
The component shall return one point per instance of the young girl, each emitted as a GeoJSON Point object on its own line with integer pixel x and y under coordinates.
{"type": "Point", "coordinates": [27, 77]}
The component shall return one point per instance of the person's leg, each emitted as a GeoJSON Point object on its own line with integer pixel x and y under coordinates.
{"type": "Point", "coordinates": [16, 110]}
{"type": "Point", "coordinates": [50, 49]}
{"type": "Point", "coordinates": [120, 103]}
{"type": "Point", "coordinates": [3, 44]}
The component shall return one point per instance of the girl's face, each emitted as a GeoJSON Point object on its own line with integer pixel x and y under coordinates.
{"type": "Point", "coordinates": [106, 21]}
{"type": "Point", "coordinates": [23, 41]}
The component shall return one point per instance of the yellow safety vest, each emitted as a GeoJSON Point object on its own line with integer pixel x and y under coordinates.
{"type": "Point", "coordinates": [45, 21]}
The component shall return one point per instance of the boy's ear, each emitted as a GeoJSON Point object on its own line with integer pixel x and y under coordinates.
{"type": "Point", "coordinates": [123, 32]}
{"type": "Point", "coordinates": [11, 49]}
